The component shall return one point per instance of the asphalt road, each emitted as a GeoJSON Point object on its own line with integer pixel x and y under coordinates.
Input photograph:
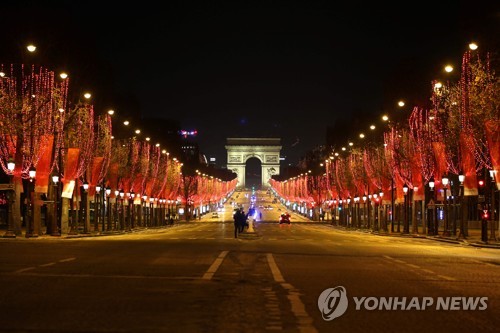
{"type": "Point", "coordinates": [196, 277]}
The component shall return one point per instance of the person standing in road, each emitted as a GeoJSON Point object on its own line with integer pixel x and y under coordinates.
{"type": "Point", "coordinates": [242, 220]}
{"type": "Point", "coordinates": [237, 219]}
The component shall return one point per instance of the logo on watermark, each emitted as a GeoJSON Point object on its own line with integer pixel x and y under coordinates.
{"type": "Point", "coordinates": [333, 302]}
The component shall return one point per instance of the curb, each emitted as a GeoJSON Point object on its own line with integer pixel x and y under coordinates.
{"type": "Point", "coordinates": [431, 238]}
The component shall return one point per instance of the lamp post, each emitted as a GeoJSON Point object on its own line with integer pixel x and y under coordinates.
{"type": "Point", "coordinates": [11, 165]}
{"type": "Point", "coordinates": [85, 208]}
{"type": "Point", "coordinates": [349, 214]}
{"type": "Point", "coordinates": [356, 210]}
{"type": "Point", "coordinates": [492, 206]}
{"type": "Point", "coordinates": [97, 207]}
{"type": "Point", "coordinates": [30, 197]}
{"type": "Point", "coordinates": [127, 210]}
{"type": "Point", "coordinates": [368, 214]}
{"type": "Point", "coordinates": [392, 204]}
{"type": "Point", "coordinates": [122, 211]}
{"type": "Point", "coordinates": [145, 211]}
{"type": "Point", "coordinates": [375, 211]}
{"type": "Point", "coordinates": [445, 182]}
{"type": "Point", "coordinates": [108, 209]}
{"type": "Point", "coordinates": [169, 207]}
{"type": "Point", "coordinates": [463, 232]}
{"type": "Point", "coordinates": [383, 212]}
{"type": "Point", "coordinates": [433, 223]}
{"type": "Point", "coordinates": [364, 210]}
{"type": "Point", "coordinates": [55, 226]}
{"type": "Point", "coordinates": [116, 215]}
{"type": "Point", "coordinates": [131, 209]}
{"type": "Point", "coordinates": [406, 225]}
{"type": "Point", "coordinates": [414, 221]}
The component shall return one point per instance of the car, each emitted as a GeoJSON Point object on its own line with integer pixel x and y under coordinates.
{"type": "Point", "coordinates": [285, 218]}
{"type": "Point", "coordinates": [215, 215]}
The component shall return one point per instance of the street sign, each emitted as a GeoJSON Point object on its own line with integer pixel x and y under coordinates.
{"type": "Point", "coordinates": [431, 204]}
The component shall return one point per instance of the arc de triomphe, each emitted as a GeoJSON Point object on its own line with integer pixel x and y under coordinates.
{"type": "Point", "coordinates": [267, 150]}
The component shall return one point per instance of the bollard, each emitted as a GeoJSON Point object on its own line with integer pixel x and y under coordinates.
{"type": "Point", "coordinates": [250, 227]}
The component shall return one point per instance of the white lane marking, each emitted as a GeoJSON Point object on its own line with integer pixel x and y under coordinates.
{"type": "Point", "coordinates": [483, 263]}
{"type": "Point", "coordinates": [215, 266]}
{"type": "Point", "coordinates": [305, 322]}
{"type": "Point", "coordinates": [395, 260]}
{"type": "Point", "coordinates": [43, 265]}
{"type": "Point", "coordinates": [413, 266]}
{"type": "Point", "coordinates": [67, 259]}
{"type": "Point", "coordinates": [428, 271]}
{"type": "Point", "coordinates": [274, 268]}
{"type": "Point", "coordinates": [24, 269]}
{"type": "Point", "coordinates": [49, 264]}
{"type": "Point", "coordinates": [447, 278]}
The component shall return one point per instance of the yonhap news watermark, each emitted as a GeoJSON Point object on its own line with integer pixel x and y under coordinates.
{"type": "Point", "coordinates": [333, 303]}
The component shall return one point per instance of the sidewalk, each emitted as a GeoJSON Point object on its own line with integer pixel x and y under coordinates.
{"type": "Point", "coordinates": [473, 239]}
{"type": "Point", "coordinates": [80, 234]}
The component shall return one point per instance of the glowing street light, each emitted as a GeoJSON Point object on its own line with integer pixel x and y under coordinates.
{"type": "Point", "coordinates": [63, 75]}
{"type": "Point", "coordinates": [401, 103]}
{"type": "Point", "coordinates": [11, 165]}
{"type": "Point", "coordinates": [31, 48]}
{"type": "Point", "coordinates": [448, 68]}
{"type": "Point", "coordinates": [473, 46]}
{"type": "Point", "coordinates": [111, 112]}
{"type": "Point", "coordinates": [87, 95]}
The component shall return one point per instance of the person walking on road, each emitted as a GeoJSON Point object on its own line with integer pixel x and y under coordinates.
{"type": "Point", "coordinates": [242, 220]}
{"type": "Point", "coordinates": [237, 219]}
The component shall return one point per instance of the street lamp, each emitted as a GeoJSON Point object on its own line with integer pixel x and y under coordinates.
{"type": "Point", "coordinates": [126, 210]}
{"type": "Point", "coordinates": [492, 205]}
{"type": "Point", "coordinates": [11, 165]}
{"type": "Point", "coordinates": [463, 232]}
{"type": "Point", "coordinates": [375, 211]}
{"type": "Point", "coordinates": [131, 209]}
{"type": "Point", "coordinates": [445, 182]}
{"type": "Point", "coordinates": [414, 220]}
{"type": "Point", "coordinates": [406, 227]}
{"type": "Point", "coordinates": [55, 225]}
{"type": "Point", "coordinates": [145, 221]}
{"type": "Point", "coordinates": [97, 207]}
{"type": "Point", "coordinates": [84, 207]}
{"type": "Point", "coordinates": [30, 198]}
{"type": "Point", "coordinates": [121, 210]}
{"type": "Point", "coordinates": [364, 210]}
{"type": "Point", "coordinates": [433, 224]}
{"type": "Point", "coordinates": [349, 212]}
{"type": "Point", "coordinates": [108, 210]}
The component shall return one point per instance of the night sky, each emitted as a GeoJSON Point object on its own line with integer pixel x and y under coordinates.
{"type": "Point", "coordinates": [256, 68]}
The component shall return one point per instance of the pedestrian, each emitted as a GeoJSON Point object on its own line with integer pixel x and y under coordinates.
{"type": "Point", "coordinates": [242, 220]}
{"type": "Point", "coordinates": [236, 218]}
